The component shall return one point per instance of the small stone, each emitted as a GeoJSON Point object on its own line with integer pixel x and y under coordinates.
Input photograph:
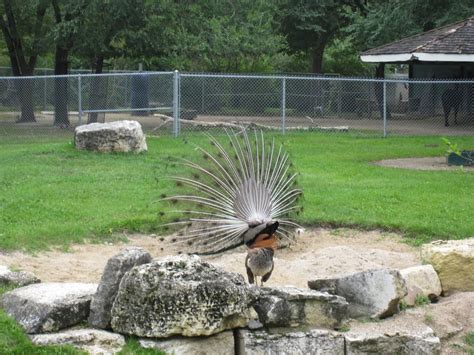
{"type": "Point", "coordinates": [17, 278]}
{"type": "Point", "coordinates": [421, 280]}
{"type": "Point", "coordinates": [93, 341]}
{"type": "Point", "coordinates": [372, 293]}
{"type": "Point", "coordinates": [117, 266]}
{"type": "Point", "coordinates": [453, 260]}
{"type": "Point", "coordinates": [48, 307]}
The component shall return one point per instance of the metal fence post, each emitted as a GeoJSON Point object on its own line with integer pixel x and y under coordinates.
{"type": "Point", "coordinates": [384, 108]}
{"type": "Point", "coordinates": [45, 91]}
{"type": "Point", "coordinates": [176, 103]}
{"type": "Point", "coordinates": [79, 98]}
{"type": "Point", "coordinates": [283, 104]}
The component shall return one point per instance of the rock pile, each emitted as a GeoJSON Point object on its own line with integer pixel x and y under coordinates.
{"type": "Point", "coordinates": [184, 305]}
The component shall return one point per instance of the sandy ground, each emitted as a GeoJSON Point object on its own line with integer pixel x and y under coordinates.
{"type": "Point", "coordinates": [430, 163]}
{"type": "Point", "coordinates": [317, 253]}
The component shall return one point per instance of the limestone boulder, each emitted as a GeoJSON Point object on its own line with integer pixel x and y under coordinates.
{"type": "Point", "coordinates": [48, 307]}
{"type": "Point", "coordinates": [118, 136]}
{"type": "Point", "coordinates": [117, 266]}
{"type": "Point", "coordinates": [314, 342]}
{"type": "Point", "coordinates": [218, 344]}
{"type": "Point", "coordinates": [17, 278]}
{"type": "Point", "coordinates": [292, 307]}
{"type": "Point", "coordinates": [390, 342]}
{"type": "Point", "coordinates": [453, 260]}
{"type": "Point", "coordinates": [372, 293]}
{"type": "Point", "coordinates": [93, 341]}
{"type": "Point", "coordinates": [421, 280]}
{"type": "Point", "coordinates": [180, 295]}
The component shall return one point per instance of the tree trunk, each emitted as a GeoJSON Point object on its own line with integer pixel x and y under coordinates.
{"type": "Point", "coordinates": [61, 118]}
{"type": "Point", "coordinates": [97, 91]}
{"type": "Point", "coordinates": [25, 89]}
{"type": "Point", "coordinates": [317, 58]}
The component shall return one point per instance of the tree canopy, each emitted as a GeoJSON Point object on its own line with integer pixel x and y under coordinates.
{"type": "Point", "coordinates": [324, 36]}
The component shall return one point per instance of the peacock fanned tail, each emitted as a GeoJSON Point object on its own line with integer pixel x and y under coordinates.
{"type": "Point", "coordinates": [241, 187]}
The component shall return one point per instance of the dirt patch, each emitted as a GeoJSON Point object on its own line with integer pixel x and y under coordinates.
{"type": "Point", "coordinates": [430, 163]}
{"type": "Point", "coordinates": [317, 253]}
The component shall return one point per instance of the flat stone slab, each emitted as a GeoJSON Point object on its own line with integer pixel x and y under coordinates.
{"type": "Point", "coordinates": [118, 136]}
{"type": "Point", "coordinates": [315, 342]}
{"type": "Point", "coordinates": [48, 307]}
{"type": "Point", "coordinates": [292, 307]}
{"type": "Point", "coordinates": [180, 295]}
{"type": "Point", "coordinates": [222, 344]}
{"type": "Point", "coordinates": [453, 260]}
{"type": "Point", "coordinates": [372, 293]}
{"type": "Point", "coordinates": [17, 278]}
{"type": "Point", "coordinates": [94, 341]}
{"type": "Point", "coordinates": [101, 305]}
{"type": "Point", "coordinates": [391, 338]}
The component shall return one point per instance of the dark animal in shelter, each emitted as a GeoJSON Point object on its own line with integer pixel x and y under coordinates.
{"type": "Point", "coordinates": [451, 100]}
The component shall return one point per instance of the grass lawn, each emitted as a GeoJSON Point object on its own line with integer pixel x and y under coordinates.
{"type": "Point", "coordinates": [51, 194]}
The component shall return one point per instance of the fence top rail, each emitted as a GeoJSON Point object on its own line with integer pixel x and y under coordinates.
{"type": "Point", "coordinates": [246, 76]}
{"type": "Point", "coordinates": [85, 75]}
{"type": "Point", "coordinates": [328, 78]}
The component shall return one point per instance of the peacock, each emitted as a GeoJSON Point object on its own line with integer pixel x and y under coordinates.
{"type": "Point", "coordinates": [243, 192]}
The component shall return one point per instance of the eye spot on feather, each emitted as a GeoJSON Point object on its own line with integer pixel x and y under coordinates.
{"type": "Point", "coordinates": [190, 243]}
{"type": "Point", "coordinates": [179, 183]}
{"type": "Point", "coordinates": [163, 195]}
{"type": "Point", "coordinates": [161, 213]}
{"type": "Point", "coordinates": [162, 239]}
{"type": "Point", "coordinates": [196, 176]}
{"type": "Point", "coordinates": [173, 240]}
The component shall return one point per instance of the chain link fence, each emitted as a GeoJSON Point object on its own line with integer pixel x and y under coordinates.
{"type": "Point", "coordinates": [177, 103]}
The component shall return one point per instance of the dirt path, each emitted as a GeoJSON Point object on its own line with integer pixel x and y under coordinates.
{"type": "Point", "coordinates": [429, 163]}
{"type": "Point", "coordinates": [318, 253]}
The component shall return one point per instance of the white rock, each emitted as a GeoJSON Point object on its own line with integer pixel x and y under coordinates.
{"type": "Point", "coordinates": [17, 278]}
{"type": "Point", "coordinates": [118, 136]}
{"type": "Point", "coordinates": [219, 344]}
{"type": "Point", "coordinates": [291, 306]}
{"type": "Point", "coordinates": [314, 342]}
{"type": "Point", "coordinates": [421, 280]}
{"type": "Point", "coordinates": [117, 266]}
{"type": "Point", "coordinates": [399, 342]}
{"type": "Point", "coordinates": [47, 307]}
{"type": "Point", "coordinates": [180, 295]}
{"type": "Point", "coordinates": [94, 341]}
{"type": "Point", "coordinates": [453, 260]}
{"type": "Point", "coordinates": [373, 293]}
